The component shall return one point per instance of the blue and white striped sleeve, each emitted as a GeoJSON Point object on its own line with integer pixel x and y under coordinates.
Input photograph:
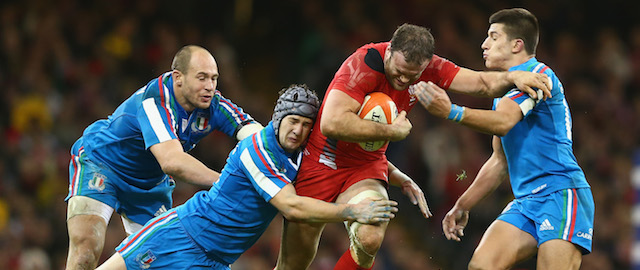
{"type": "Point", "coordinates": [525, 102]}
{"type": "Point", "coordinates": [260, 167]}
{"type": "Point", "coordinates": [229, 117]}
{"type": "Point", "coordinates": [156, 115]}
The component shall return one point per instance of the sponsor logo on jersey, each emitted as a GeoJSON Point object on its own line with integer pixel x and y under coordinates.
{"type": "Point", "coordinates": [588, 236]}
{"type": "Point", "coordinates": [546, 226]}
{"type": "Point", "coordinates": [145, 259]}
{"type": "Point", "coordinates": [97, 182]}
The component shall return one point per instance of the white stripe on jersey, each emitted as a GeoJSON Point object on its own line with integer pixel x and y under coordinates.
{"type": "Point", "coordinates": [167, 100]}
{"type": "Point", "coordinates": [148, 231]}
{"type": "Point", "coordinates": [567, 226]}
{"type": "Point", "coordinates": [262, 180]}
{"type": "Point", "coordinates": [231, 111]}
{"type": "Point", "coordinates": [268, 158]}
{"type": "Point", "coordinates": [537, 68]}
{"type": "Point", "coordinates": [567, 118]}
{"type": "Point", "coordinates": [151, 110]}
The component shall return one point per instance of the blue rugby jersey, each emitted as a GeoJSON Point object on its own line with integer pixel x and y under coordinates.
{"type": "Point", "coordinates": [152, 115]}
{"type": "Point", "coordinates": [229, 218]}
{"type": "Point", "coordinates": [539, 148]}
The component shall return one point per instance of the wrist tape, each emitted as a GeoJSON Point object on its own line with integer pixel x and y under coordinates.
{"type": "Point", "coordinates": [457, 113]}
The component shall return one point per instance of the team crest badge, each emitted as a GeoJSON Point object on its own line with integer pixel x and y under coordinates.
{"type": "Point", "coordinates": [201, 124]}
{"type": "Point", "coordinates": [145, 259]}
{"type": "Point", "coordinates": [412, 95]}
{"type": "Point", "coordinates": [97, 182]}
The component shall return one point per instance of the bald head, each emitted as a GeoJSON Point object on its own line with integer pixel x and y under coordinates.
{"type": "Point", "coordinates": [182, 59]}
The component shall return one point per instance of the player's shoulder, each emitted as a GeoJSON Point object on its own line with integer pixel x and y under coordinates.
{"type": "Point", "coordinates": [156, 88]}
{"type": "Point", "coordinates": [368, 58]}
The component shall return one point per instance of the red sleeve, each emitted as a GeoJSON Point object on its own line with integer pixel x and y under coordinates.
{"type": "Point", "coordinates": [355, 77]}
{"type": "Point", "coordinates": [440, 71]}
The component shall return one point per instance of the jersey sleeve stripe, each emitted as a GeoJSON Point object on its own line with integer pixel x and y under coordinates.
{"type": "Point", "coordinates": [164, 100]}
{"type": "Point", "coordinates": [270, 166]}
{"type": "Point", "coordinates": [150, 108]}
{"type": "Point", "coordinates": [514, 97]}
{"type": "Point", "coordinates": [270, 158]}
{"type": "Point", "coordinates": [543, 69]}
{"type": "Point", "coordinates": [261, 180]}
{"type": "Point", "coordinates": [232, 109]}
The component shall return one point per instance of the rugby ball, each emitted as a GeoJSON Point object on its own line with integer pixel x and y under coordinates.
{"type": "Point", "coordinates": [377, 107]}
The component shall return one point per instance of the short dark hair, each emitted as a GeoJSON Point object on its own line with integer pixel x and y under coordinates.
{"type": "Point", "coordinates": [415, 42]}
{"type": "Point", "coordinates": [183, 57]}
{"type": "Point", "coordinates": [519, 23]}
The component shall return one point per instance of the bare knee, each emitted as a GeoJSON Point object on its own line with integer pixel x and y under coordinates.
{"type": "Point", "coordinates": [371, 238]}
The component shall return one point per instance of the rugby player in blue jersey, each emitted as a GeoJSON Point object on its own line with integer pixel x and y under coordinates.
{"type": "Point", "coordinates": [213, 228]}
{"type": "Point", "coordinates": [128, 161]}
{"type": "Point", "coordinates": [553, 210]}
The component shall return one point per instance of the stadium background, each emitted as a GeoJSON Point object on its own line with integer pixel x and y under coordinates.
{"type": "Point", "coordinates": [65, 64]}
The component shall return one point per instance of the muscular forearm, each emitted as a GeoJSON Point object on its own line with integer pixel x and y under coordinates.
{"type": "Point", "coordinates": [486, 121]}
{"type": "Point", "coordinates": [495, 83]}
{"type": "Point", "coordinates": [306, 209]}
{"type": "Point", "coordinates": [351, 128]}
{"type": "Point", "coordinates": [396, 177]}
{"type": "Point", "coordinates": [187, 168]}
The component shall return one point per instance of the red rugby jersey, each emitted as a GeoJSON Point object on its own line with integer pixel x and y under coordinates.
{"type": "Point", "coordinates": [360, 74]}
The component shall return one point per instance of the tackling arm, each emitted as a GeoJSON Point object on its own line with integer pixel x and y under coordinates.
{"type": "Point", "coordinates": [182, 166]}
{"type": "Point", "coordinates": [499, 122]}
{"type": "Point", "coordinates": [306, 209]}
{"type": "Point", "coordinates": [341, 121]}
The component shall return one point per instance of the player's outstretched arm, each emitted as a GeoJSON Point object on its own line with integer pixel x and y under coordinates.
{"type": "Point", "coordinates": [492, 173]}
{"type": "Point", "coordinates": [497, 83]}
{"type": "Point", "coordinates": [498, 122]}
{"type": "Point", "coordinates": [409, 188]}
{"type": "Point", "coordinates": [306, 209]}
{"type": "Point", "coordinates": [182, 166]}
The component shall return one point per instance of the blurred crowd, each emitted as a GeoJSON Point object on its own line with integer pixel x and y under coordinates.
{"type": "Point", "coordinates": [67, 63]}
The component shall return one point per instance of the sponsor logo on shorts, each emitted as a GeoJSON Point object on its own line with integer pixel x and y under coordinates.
{"type": "Point", "coordinates": [546, 226]}
{"type": "Point", "coordinates": [145, 259]}
{"type": "Point", "coordinates": [97, 182]}
{"type": "Point", "coordinates": [588, 236]}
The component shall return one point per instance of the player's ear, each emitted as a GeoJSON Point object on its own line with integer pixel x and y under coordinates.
{"type": "Point", "coordinates": [518, 45]}
{"type": "Point", "coordinates": [177, 77]}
